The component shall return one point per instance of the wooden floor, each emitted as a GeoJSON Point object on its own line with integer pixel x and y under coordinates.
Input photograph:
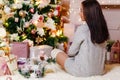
{"type": "Point", "coordinates": [110, 66]}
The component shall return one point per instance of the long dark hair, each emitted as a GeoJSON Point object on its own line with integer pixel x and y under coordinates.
{"type": "Point", "coordinates": [96, 22]}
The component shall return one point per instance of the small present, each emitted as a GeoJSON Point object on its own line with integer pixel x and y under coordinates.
{"type": "Point", "coordinates": [36, 51]}
{"type": "Point", "coordinates": [12, 64]}
{"type": "Point", "coordinates": [20, 49]}
{"type": "Point", "coordinates": [4, 70]}
{"type": "Point", "coordinates": [115, 52]}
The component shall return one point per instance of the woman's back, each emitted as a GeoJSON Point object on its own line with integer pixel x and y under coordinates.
{"type": "Point", "coordinates": [86, 54]}
{"type": "Point", "coordinates": [90, 59]}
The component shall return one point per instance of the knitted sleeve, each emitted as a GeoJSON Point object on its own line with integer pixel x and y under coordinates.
{"type": "Point", "coordinates": [77, 41]}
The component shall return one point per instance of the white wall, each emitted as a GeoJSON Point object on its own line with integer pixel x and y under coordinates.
{"type": "Point", "coordinates": [113, 20]}
{"type": "Point", "coordinates": [112, 16]}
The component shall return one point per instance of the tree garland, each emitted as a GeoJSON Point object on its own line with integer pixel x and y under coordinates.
{"type": "Point", "coordinates": [39, 22]}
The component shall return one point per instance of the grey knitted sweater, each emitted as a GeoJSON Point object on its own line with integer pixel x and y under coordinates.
{"type": "Point", "coordinates": [86, 58]}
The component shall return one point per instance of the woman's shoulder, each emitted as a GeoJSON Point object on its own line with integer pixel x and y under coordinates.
{"type": "Point", "coordinates": [83, 27]}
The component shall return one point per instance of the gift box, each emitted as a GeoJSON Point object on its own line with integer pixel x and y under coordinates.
{"type": "Point", "coordinates": [12, 64]}
{"type": "Point", "coordinates": [115, 52]}
{"type": "Point", "coordinates": [4, 70]}
{"type": "Point", "coordinates": [36, 51]}
{"type": "Point", "coordinates": [20, 49]}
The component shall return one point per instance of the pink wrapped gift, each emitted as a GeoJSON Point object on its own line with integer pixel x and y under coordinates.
{"type": "Point", "coordinates": [4, 70]}
{"type": "Point", "coordinates": [20, 49]}
{"type": "Point", "coordinates": [12, 64]}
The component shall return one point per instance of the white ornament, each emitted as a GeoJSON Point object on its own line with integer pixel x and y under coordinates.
{"type": "Point", "coordinates": [55, 12]}
{"type": "Point", "coordinates": [7, 9]}
{"type": "Point", "coordinates": [2, 32]}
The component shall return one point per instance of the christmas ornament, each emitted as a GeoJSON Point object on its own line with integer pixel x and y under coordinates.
{"type": "Point", "coordinates": [22, 13]}
{"type": "Point", "coordinates": [2, 32]}
{"type": "Point", "coordinates": [56, 12]}
{"type": "Point", "coordinates": [26, 24]}
{"type": "Point", "coordinates": [33, 31]}
{"type": "Point", "coordinates": [32, 10]}
{"type": "Point", "coordinates": [24, 36]}
{"type": "Point", "coordinates": [41, 18]}
{"type": "Point", "coordinates": [7, 9]}
{"type": "Point", "coordinates": [58, 8]}
{"type": "Point", "coordinates": [6, 24]}
{"type": "Point", "coordinates": [16, 19]}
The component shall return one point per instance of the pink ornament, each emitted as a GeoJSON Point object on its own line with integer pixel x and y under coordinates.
{"type": "Point", "coordinates": [32, 10]}
{"type": "Point", "coordinates": [50, 14]}
{"type": "Point", "coordinates": [33, 31]}
{"type": "Point", "coordinates": [27, 24]}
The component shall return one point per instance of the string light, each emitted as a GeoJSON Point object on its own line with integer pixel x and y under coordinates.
{"type": "Point", "coordinates": [75, 8]}
{"type": "Point", "coordinates": [74, 11]}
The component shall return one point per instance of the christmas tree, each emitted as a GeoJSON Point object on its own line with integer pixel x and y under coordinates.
{"type": "Point", "coordinates": [35, 20]}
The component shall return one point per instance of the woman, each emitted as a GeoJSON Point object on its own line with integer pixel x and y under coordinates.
{"type": "Point", "coordinates": [86, 54]}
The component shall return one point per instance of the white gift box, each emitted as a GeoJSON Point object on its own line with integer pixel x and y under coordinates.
{"type": "Point", "coordinates": [36, 51]}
